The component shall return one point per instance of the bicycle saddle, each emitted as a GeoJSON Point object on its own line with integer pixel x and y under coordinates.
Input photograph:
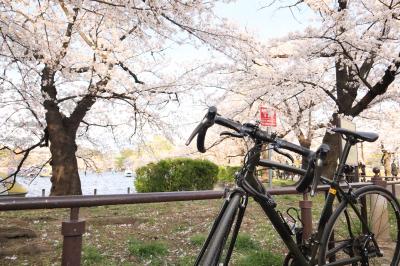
{"type": "Point", "coordinates": [357, 135]}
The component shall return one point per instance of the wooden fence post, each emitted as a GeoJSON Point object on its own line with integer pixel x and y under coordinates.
{"type": "Point", "coordinates": [306, 216]}
{"type": "Point", "coordinates": [72, 231]}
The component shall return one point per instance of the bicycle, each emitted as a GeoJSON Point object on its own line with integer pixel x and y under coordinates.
{"type": "Point", "coordinates": [352, 233]}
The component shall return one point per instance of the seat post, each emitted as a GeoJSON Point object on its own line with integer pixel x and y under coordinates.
{"type": "Point", "coordinates": [350, 141]}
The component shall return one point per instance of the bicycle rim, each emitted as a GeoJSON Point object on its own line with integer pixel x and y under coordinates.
{"type": "Point", "coordinates": [346, 240]}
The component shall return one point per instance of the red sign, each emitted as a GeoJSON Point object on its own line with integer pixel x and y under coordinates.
{"type": "Point", "coordinates": [268, 117]}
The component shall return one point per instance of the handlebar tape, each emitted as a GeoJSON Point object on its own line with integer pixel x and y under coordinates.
{"type": "Point", "coordinates": [207, 122]}
{"type": "Point", "coordinates": [200, 140]}
{"type": "Point", "coordinates": [307, 179]}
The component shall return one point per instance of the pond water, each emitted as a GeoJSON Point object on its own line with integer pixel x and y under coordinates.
{"type": "Point", "coordinates": [105, 183]}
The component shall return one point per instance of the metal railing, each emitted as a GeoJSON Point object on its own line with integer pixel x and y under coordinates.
{"type": "Point", "coordinates": [73, 229]}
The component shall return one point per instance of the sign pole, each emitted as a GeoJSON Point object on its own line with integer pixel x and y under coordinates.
{"type": "Point", "coordinates": [269, 158]}
{"type": "Point", "coordinates": [268, 119]}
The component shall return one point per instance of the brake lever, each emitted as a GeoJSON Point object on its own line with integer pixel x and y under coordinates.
{"type": "Point", "coordinates": [194, 133]}
{"type": "Point", "coordinates": [201, 129]}
{"type": "Point", "coordinates": [284, 153]}
{"type": "Point", "coordinates": [318, 165]}
{"type": "Point", "coordinates": [231, 134]}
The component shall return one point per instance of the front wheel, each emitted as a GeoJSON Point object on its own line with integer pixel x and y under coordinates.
{"type": "Point", "coordinates": [347, 240]}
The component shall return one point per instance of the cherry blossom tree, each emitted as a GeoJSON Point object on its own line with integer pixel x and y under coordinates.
{"type": "Point", "coordinates": [357, 47]}
{"type": "Point", "coordinates": [345, 62]}
{"type": "Point", "coordinates": [76, 69]}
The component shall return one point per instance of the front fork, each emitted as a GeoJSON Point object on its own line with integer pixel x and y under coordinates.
{"type": "Point", "coordinates": [238, 217]}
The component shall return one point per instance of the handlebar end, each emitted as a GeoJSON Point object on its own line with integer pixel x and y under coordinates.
{"type": "Point", "coordinates": [212, 112]}
{"type": "Point", "coordinates": [201, 129]}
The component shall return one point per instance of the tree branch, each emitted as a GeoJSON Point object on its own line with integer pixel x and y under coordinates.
{"type": "Point", "coordinates": [68, 34]}
{"type": "Point", "coordinates": [133, 75]}
{"type": "Point", "coordinates": [20, 164]}
{"type": "Point", "coordinates": [379, 88]}
{"type": "Point", "coordinates": [329, 93]}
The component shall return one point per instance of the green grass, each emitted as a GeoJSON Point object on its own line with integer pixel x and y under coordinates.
{"type": "Point", "coordinates": [186, 261]}
{"type": "Point", "coordinates": [183, 227]}
{"type": "Point", "coordinates": [198, 240]}
{"type": "Point", "coordinates": [282, 182]}
{"type": "Point", "coordinates": [180, 228]}
{"type": "Point", "coordinates": [260, 258]}
{"type": "Point", "coordinates": [91, 256]}
{"type": "Point", "coordinates": [147, 250]}
{"type": "Point", "coordinates": [245, 243]}
{"type": "Point", "coordinates": [284, 199]}
{"type": "Point", "coordinates": [246, 248]}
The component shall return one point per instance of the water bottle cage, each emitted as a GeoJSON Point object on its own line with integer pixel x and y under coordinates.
{"type": "Point", "coordinates": [290, 228]}
{"type": "Point", "coordinates": [290, 222]}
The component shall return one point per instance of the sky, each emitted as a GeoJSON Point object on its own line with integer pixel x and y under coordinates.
{"type": "Point", "coordinates": [268, 22]}
{"type": "Point", "coordinates": [265, 23]}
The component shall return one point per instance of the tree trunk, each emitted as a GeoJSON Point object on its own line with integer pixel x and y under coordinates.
{"type": "Point", "coordinates": [331, 161]}
{"type": "Point", "coordinates": [65, 177]}
{"type": "Point", "coordinates": [306, 143]}
{"type": "Point", "coordinates": [386, 161]}
{"type": "Point", "coordinates": [61, 132]}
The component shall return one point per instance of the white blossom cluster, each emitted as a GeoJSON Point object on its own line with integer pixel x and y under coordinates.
{"type": "Point", "coordinates": [334, 65]}
{"type": "Point", "coordinates": [115, 51]}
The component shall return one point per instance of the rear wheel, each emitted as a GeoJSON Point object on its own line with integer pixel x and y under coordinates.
{"type": "Point", "coordinates": [347, 240]}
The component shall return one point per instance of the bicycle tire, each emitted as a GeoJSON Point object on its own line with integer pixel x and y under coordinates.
{"type": "Point", "coordinates": [345, 238]}
{"type": "Point", "coordinates": [214, 250]}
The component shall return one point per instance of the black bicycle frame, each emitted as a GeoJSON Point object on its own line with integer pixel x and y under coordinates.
{"type": "Point", "coordinates": [268, 205]}
{"type": "Point", "coordinates": [248, 177]}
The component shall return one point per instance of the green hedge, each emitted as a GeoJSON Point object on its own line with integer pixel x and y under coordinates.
{"type": "Point", "coordinates": [226, 174]}
{"type": "Point", "coordinates": [176, 175]}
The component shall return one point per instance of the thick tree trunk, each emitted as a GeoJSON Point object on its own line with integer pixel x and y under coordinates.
{"type": "Point", "coordinates": [61, 132]}
{"type": "Point", "coordinates": [65, 177]}
{"type": "Point", "coordinates": [333, 140]}
{"type": "Point", "coordinates": [306, 143]}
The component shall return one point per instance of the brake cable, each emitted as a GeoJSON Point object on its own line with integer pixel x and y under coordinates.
{"type": "Point", "coordinates": [276, 148]}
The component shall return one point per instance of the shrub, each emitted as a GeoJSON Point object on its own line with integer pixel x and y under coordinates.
{"type": "Point", "coordinates": [226, 174]}
{"type": "Point", "coordinates": [176, 175]}
{"type": "Point", "coordinates": [152, 177]}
